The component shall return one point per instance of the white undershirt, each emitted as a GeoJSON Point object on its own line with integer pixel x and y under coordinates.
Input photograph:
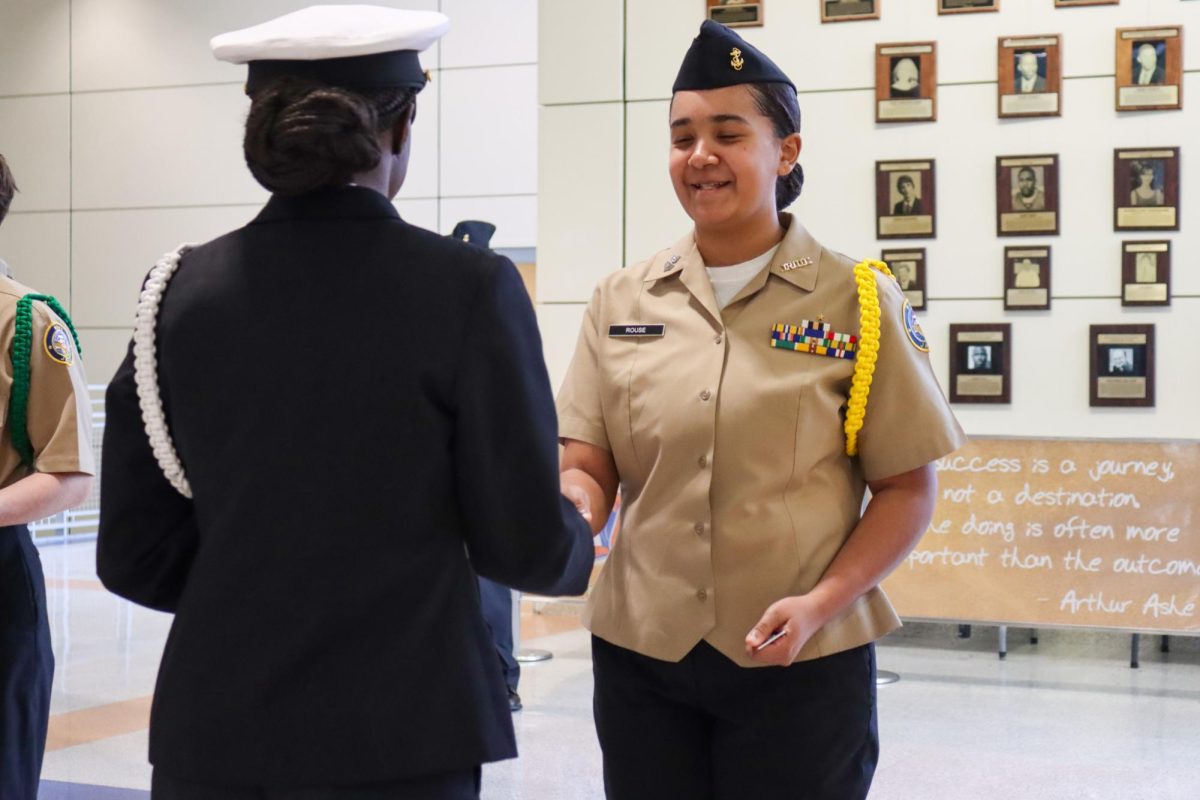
{"type": "Point", "coordinates": [728, 281]}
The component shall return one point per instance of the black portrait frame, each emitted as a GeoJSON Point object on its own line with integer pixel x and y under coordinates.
{"type": "Point", "coordinates": [996, 377]}
{"type": "Point", "coordinates": [1137, 338]}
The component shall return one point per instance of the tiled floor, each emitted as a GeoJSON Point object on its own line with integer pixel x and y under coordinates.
{"type": "Point", "coordinates": [1065, 719]}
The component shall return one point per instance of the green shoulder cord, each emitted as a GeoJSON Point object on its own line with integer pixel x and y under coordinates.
{"type": "Point", "coordinates": [22, 351]}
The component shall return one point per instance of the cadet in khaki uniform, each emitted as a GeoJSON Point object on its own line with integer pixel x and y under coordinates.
{"type": "Point", "coordinates": [713, 383]}
{"type": "Point", "coordinates": [46, 466]}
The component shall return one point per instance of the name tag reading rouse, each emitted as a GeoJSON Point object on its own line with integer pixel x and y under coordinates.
{"type": "Point", "coordinates": [628, 331]}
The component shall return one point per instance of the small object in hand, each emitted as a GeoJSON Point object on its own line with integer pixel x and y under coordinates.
{"type": "Point", "coordinates": [774, 637]}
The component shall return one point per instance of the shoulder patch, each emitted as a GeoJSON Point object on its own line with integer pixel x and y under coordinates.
{"type": "Point", "coordinates": [913, 328]}
{"type": "Point", "coordinates": [57, 343]}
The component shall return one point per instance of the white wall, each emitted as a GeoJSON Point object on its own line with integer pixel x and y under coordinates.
{"type": "Point", "coordinates": [601, 70]}
{"type": "Point", "coordinates": [125, 137]}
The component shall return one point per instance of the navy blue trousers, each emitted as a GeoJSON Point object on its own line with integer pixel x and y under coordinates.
{"type": "Point", "coordinates": [462, 785]}
{"type": "Point", "coordinates": [706, 729]}
{"type": "Point", "coordinates": [26, 665]}
{"type": "Point", "coordinates": [496, 601]}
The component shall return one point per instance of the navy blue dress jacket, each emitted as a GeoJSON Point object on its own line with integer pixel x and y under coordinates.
{"type": "Point", "coordinates": [364, 415]}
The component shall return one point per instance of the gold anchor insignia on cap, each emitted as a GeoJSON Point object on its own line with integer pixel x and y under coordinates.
{"type": "Point", "coordinates": [796, 263]}
{"type": "Point", "coordinates": [735, 59]}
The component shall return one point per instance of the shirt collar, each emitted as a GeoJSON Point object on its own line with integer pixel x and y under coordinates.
{"type": "Point", "coordinates": [342, 202]}
{"type": "Point", "coordinates": [795, 261]}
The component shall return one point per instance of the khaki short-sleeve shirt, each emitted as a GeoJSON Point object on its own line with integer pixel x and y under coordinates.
{"type": "Point", "coordinates": [736, 489]}
{"type": "Point", "coordinates": [59, 413]}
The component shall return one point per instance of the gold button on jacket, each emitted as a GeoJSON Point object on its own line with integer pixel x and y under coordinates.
{"type": "Point", "coordinates": [779, 495]}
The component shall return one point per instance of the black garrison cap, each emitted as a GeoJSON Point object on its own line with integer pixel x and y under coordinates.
{"type": "Point", "coordinates": [719, 57]}
{"type": "Point", "coordinates": [474, 232]}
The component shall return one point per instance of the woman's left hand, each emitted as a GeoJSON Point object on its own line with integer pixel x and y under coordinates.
{"type": "Point", "coordinates": [796, 615]}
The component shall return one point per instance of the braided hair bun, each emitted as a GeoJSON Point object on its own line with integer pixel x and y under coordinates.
{"type": "Point", "coordinates": [302, 135]}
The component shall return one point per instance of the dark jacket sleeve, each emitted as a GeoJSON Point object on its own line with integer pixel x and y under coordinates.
{"type": "Point", "coordinates": [520, 530]}
{"type": "Point", "coordinates": [148, 534]}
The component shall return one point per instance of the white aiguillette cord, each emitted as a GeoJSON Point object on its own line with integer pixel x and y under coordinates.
{"type": "Point", "coordinates": [145, 369]}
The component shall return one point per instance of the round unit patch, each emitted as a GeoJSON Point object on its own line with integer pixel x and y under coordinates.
{"type": "Point", "coordinates": [913, 329]}
{"type": "Point", "coordinates": [57, 343]}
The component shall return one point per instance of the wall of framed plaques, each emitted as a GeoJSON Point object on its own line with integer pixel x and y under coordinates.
{"type": "Point", "coordinates": [1027, 150]}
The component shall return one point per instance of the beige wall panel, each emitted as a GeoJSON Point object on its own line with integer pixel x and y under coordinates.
{"type": "Point", "coordinates": [422, 179]}
{"type": "Point", "coordinates": [579, 194]}
{"type": "Point", "coordinates": [34, 136]}
{"type": "Point", "coordinates": [653, 218]}
{"type": "Point", "coordinates": [34, 46]}
{"type": "Point", "coordinates": [103, 351]}
{"type": "Point", "coordinates": [515, 218]}
{"type": "Point", "coordinates": [489, 131]}
{"type": "Point", "coordinates": [37, 248]}
{"type": "Point", "coordinates": [572, 34]}
{"type": "Point", "coordinates": [113, 251]}
{"type": "Point", "coordinates": [162, 147]}
{"type": "Point", "coordinates": [656, 37]}
{"type": "Point", "coordinates": [422, 213]}
{"type": "Point", "coordinates": [488, 32]}
{"type": "Point", "coordinates": [559, 325]}
{"type": "Point", "coordinates": [1050, 386]}
{"type": "Point", "coordinates": [839, 56]}
{"type": "Point", "coordinates": [123, 44]}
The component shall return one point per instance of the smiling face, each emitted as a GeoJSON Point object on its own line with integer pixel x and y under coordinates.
{"type": "Point", "coordinates": [725, 158]}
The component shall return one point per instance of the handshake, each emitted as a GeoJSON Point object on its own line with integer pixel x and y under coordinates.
{"type": "Point", "coordinates": [585, 493]}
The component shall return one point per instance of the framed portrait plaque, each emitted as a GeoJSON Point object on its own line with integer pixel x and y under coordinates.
{"type": "Point", "coordinates": [908, 266]}
{"type": "Point", "coordinates": [849, 10]}
{"type": "Point", "coordinates": [966, 6]}
{"type": "Point", "coordinates": [1150, 68]}
{"type": "Point", "coordinates": [906, 82]}
{"type": "Point", "coordinates": [1146, 189]}
{"type": "Point", "coordinates": [1146, 273]}
{"type": "Point", "coordinates": [1026, 278]}
{"type": "Point", "coordinates": [736, 13]}
{"type": "Point", "coordinates": [1122, 365]}
{"type": "Point", "coordinates": [980, 363]}
{"type": "Point", "coordinates": [1026, 195]}
{"type": "Point", "coordinates": [1073, 3]}
{"type": "Point", "coordinates": [1030, 76]}
{"type": "Point", "coordinates": [905, 200]}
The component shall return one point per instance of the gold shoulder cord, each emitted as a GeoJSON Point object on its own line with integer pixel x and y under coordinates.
{"type": "Point", "coordinates": [868, 349]}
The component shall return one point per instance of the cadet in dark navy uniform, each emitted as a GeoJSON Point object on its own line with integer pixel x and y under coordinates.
{"type": "Point", "coordinates": [346, 414]}
{"type": "Point", "coordinates": [46, 465]}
